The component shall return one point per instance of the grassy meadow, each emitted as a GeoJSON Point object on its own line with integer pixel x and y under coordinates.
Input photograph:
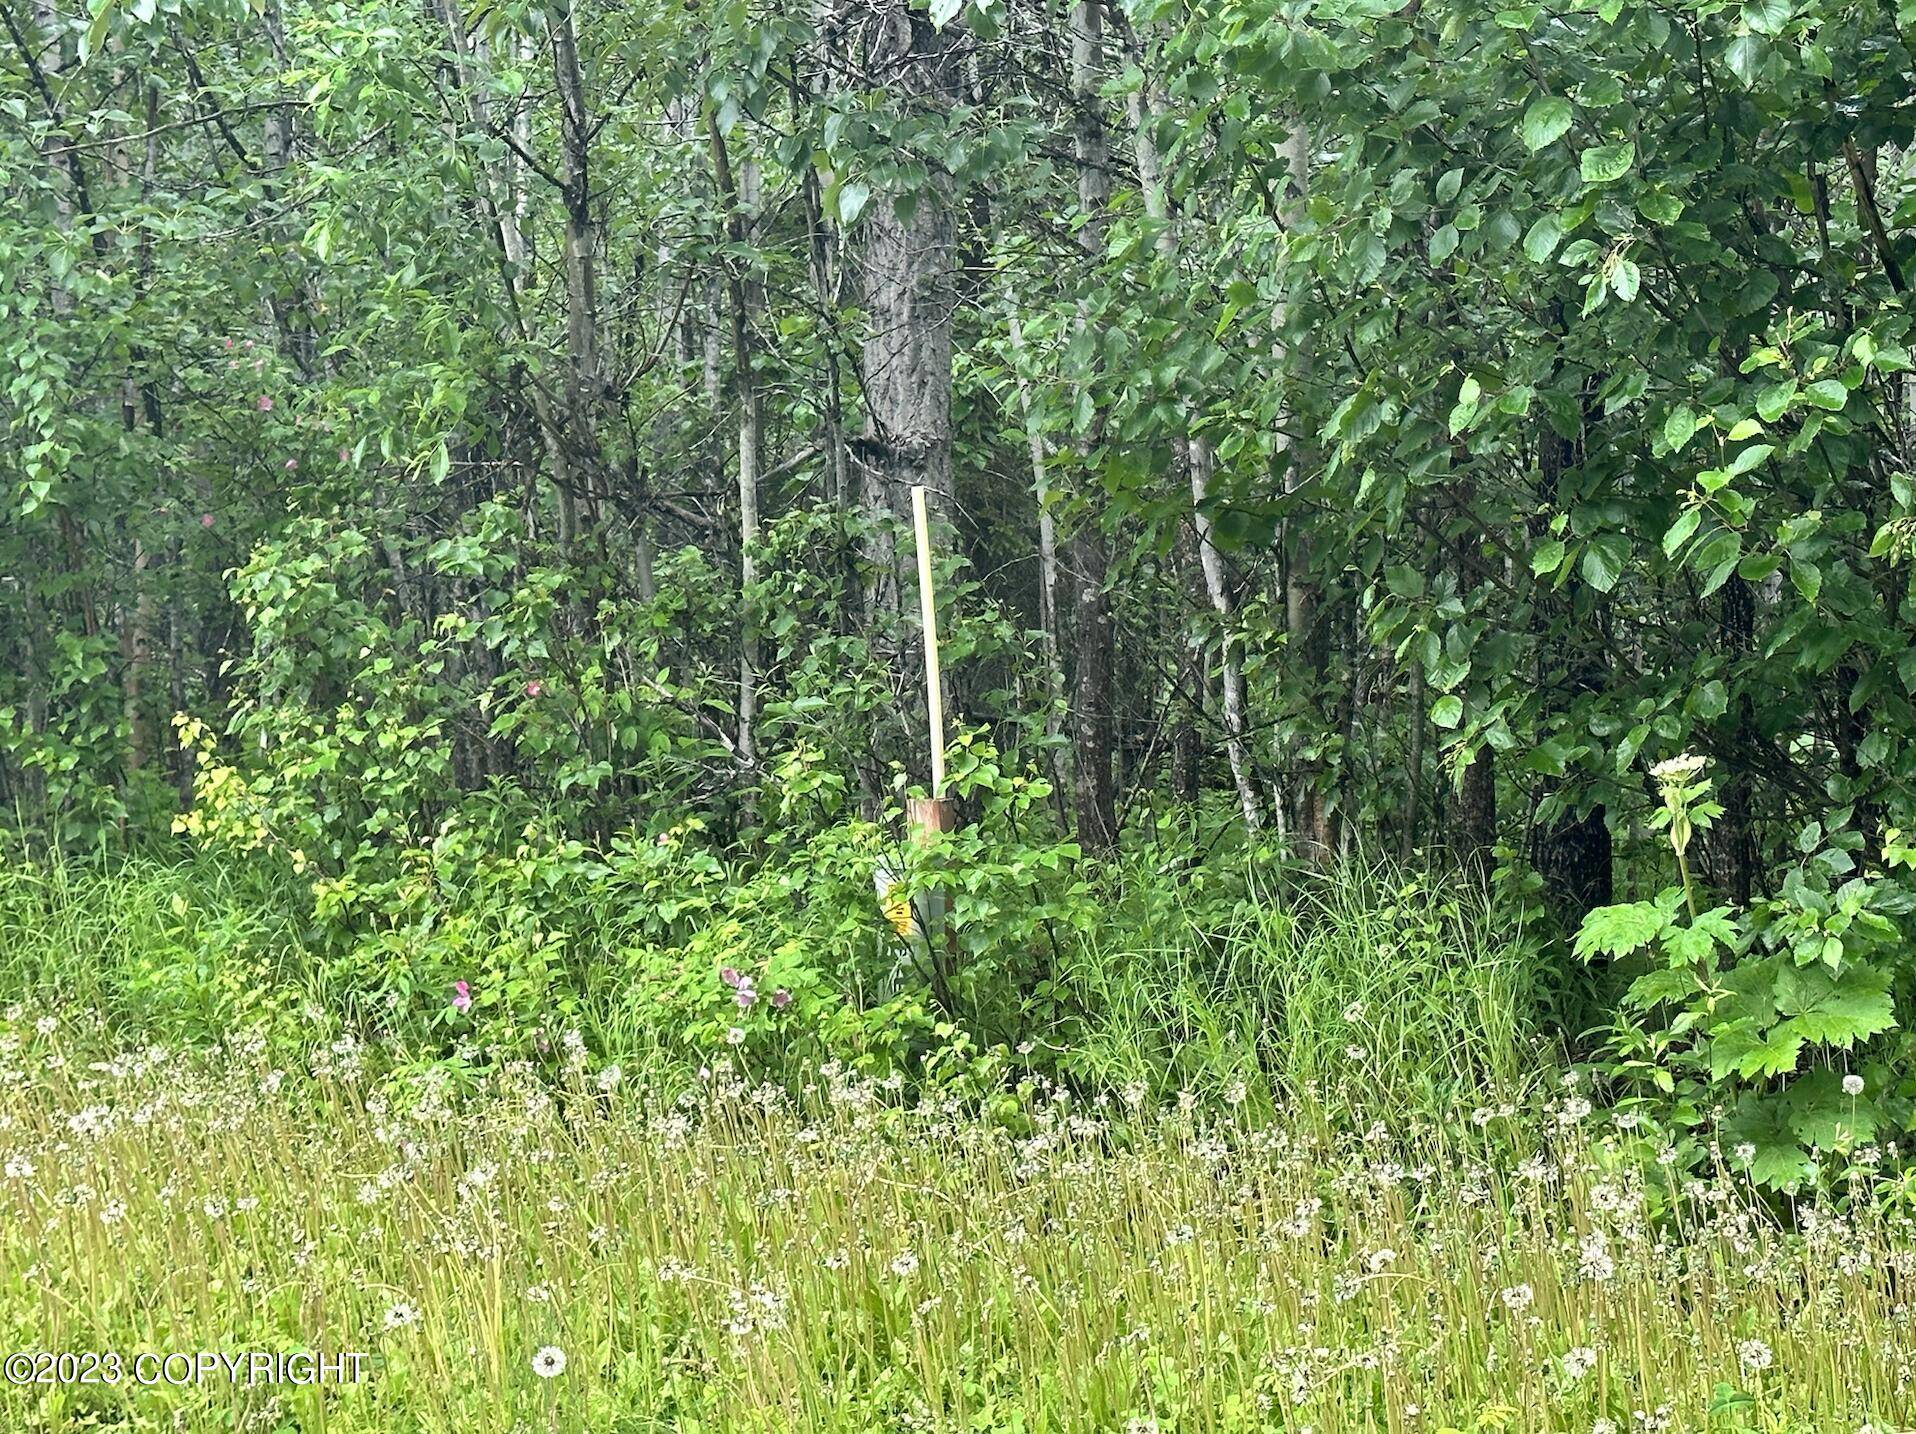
{"type": "Point", "coordinates": [585, 1247]}
{"type": "Point", "coordinates": [734, 1256]}
{"type": "Point", "coordinates": [1372, 1214]}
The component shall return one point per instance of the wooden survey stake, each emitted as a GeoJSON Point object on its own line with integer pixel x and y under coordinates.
{"type": "Point", "coordinates": [925, 817]}
{"type": "Point", "coordinates": [934, 677]}
{"type": "Point", "coordinates": [934, 813]}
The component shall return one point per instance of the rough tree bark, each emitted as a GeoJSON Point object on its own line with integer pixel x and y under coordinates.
{"type": "Point", "coordinates": [1728, 848]}
{"type": "Point", "coordinates": [910, 292]}
{"type": "Point", "coordinates": [1572, 852]}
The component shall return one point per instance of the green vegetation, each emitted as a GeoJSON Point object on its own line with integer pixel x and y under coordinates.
{"type": "Point", "coordinates": [734, 1257]}
{"type": "Point", "coordinates": [1283, 989]}
{"type": "Point", "coordinates": [1417, 500]}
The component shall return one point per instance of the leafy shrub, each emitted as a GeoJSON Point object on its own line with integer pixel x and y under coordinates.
{"type": "Point", "coordinates": [1767, 1037]}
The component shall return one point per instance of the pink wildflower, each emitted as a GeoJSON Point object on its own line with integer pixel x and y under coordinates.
{"type": "Point", "coordinates": [264, 403]}
{"type": "Point", "coordinates": [461, 996]}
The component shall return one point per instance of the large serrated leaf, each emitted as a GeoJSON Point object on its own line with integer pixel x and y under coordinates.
{"type": "Point", "coordinates": [1546, 121]}
{"type": "Point", "coordinates": [1617, 930]}
{"type": "Point", "coordinates": [1835, 1010]}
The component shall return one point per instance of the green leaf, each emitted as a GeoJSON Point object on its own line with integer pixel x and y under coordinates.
{"type": "Point", "coordinates": [1806, 578]}
{"type": "Point", "coordinates": [1710, 701]}
{"type": "Point", "coordinates": [1548, 557]}
{"type": "Point", "coordinates": [1468, 394]}
{"type": "Point", "coordinates": [1836, 1010]}
{"type": "Point", "coordinates": [1762, 1123]}
{"type": "Point", "coordinates": [1820, 1114]}
{"type": "Point", "coordinates": [852, 198]}
{"type": "Point", "coordinates": [1827, 393]}
{"type": "Point", "coordinates": [1671, 983]}
{"type": "Point", "coordinates": [1771, 402]}
{"type": "Point", "coordinates": [1606, 162]}
{"type": "Point", "coordinates": [1618, 930]}
{"type": "Point", "coordinates": [1447, 711]}
{"type": "Point", "coordinates": [1542, 240]}
{"type": "Point", "coordinates": [1678, 428]}
{"type": "Point", "coordinates": [1679, 531]}
{"type": "Point", "coordinates": [1659, 207]}
{"type": "Point", "coordinates": [1443, 244]}
{"type": "Point", "coordinates": [1603, 560]}
{"type": "Point", "coordinates": [1726, 1399]}
{"type": "Point", "coordinates": [1739, 1048]}
{"type": "Point", "coordinates": [1546, 121]}
{"type": "Point", "coordinates": [1745, 55]}
{"type": "Point", "coordinates": [1368, 257]}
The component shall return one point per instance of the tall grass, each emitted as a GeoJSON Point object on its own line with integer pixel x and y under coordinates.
{"type": "Point", "coordinates": [739, 1259]}
{"type": "Point", "coordinates": [170, 947]}
{"type": "Point", "coordinates": [1400, 986]}
{"type": "Point", "coordinates": [1330, 1188]}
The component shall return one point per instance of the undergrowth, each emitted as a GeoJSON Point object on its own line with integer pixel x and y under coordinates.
{"type": "Point", "coordinates": [1402, 983]}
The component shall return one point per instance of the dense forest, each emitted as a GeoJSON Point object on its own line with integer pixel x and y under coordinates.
{"type": "Point", "coordinates": [1413, 421]}
{"type": "Point", "coordinates": [1419, 510]}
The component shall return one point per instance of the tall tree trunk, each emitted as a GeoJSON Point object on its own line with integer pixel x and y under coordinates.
{"type": "Point", "coordinates": [910, 288]}
{"type": "Point", "coordinates": [1050, 634]}
{"type": "Point", "coordinates": [745, 391]}
{"type": "Point", "coordinates": [1231, 664]}
{"type": "Point", "coordinates": [1475, 837]}
{"type": "Point", "coordinates": [1144, 105]}
{"type": "Point", "coordinates": [1307, 647]}
{"type": "Point", "coordinates": [1571, 852]}
{"type": "Point", "coordinates": [585, 381]}
{"type": "Point", "coordinates": [1092, 718]}
{"type": "Point", "coordinates": [818, 253]}
{"type": "Point", "coordinates": [1187, 776]}
{"type": "Point", "coordinates": [1729, 847]}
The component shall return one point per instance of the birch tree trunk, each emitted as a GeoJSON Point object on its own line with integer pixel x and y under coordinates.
{"type": "Point", "coordinates": [1091, 696]}
{"type": "Point", "coordinates": [745, 391]}
{"type": "Point", "coordinates": [1145, 105]}
{"type": "Point", "coordinates": [1305, 642]}
{"type": "Point", "coordinates": [1050, 636]}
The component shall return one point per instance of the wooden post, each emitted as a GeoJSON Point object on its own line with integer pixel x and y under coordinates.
{"type": "Point", "coordinates": [925, 817]}
{"type": "Point", "coordinates": [928, 613]}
